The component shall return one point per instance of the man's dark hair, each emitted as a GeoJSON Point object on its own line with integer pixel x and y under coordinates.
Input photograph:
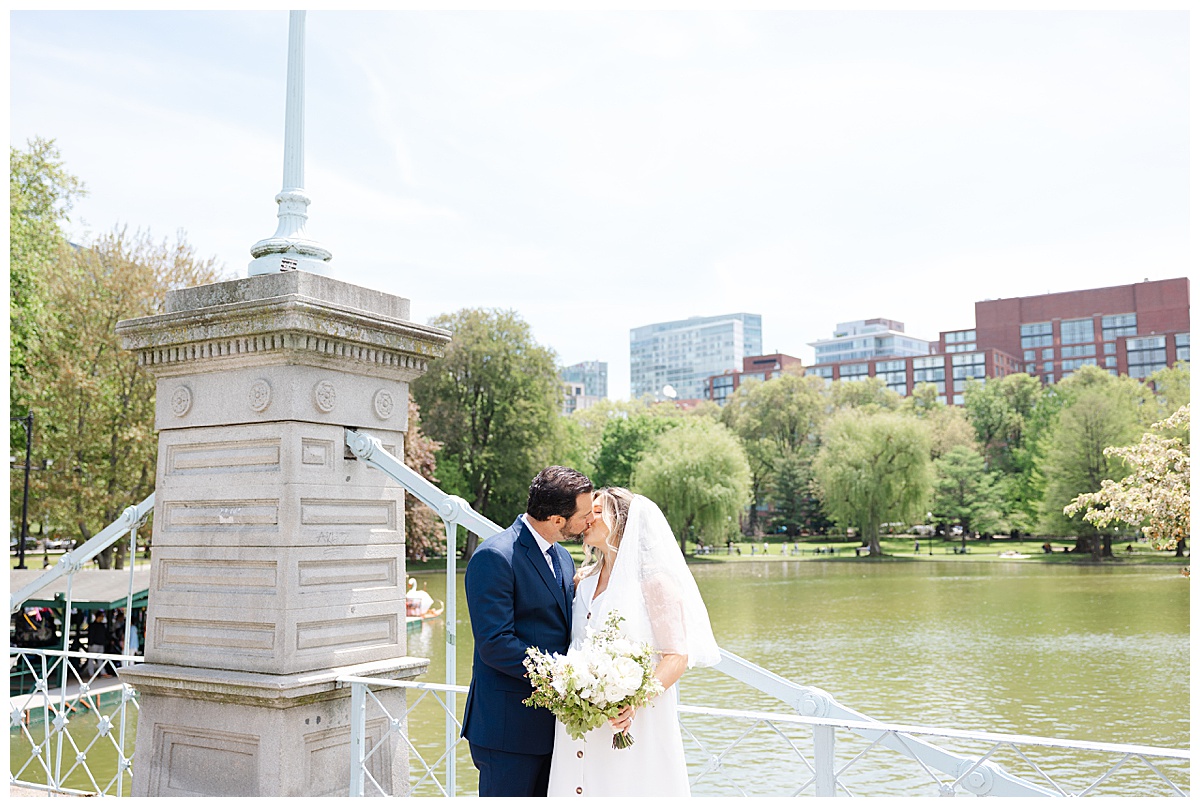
{"type": "Point", "coordinates": [553, 492]}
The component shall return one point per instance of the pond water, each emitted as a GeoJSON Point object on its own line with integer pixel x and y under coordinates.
{"type": "Point", "coordinates": [1071, 652]}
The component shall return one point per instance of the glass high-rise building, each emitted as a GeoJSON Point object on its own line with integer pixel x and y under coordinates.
{"type": "Point", "coordinates": [593, 375]}
{"type": "Point", "coordinates": [685, 353]}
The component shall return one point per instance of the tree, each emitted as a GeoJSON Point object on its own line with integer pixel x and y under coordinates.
{"type": "Point", "coordinates": [948, 425]}
{"type": "Point", "coordinates": [697, 473]}
{"type": "Point", "coordinates": [623, 443]}
{"type": "Point", "coordinates": [1156, 495]}
{"type": "Point", "coordinates": [794, 494]}
{"type": "Point", "coordinates": [41, 193]}
{"type": "Point", "coordinates": [868, 394]}
{"type": "Point", "coordinates": [93, 405]}
{"type": "Point", "coordinates": [423, 530]}
{"type": "Point", "coordinates": [776, 421]}
{"type": "Point", "coordinates": [492, 402]}
{"type": "Point", "coordinates": [1012, 417]}
{"type": "Point", "coordinates": [964, 493]}
{"type": "Point", "coordinates": [1172, 389]}
{"type": "Point", "coordinates": [873, 467]}
{"type": "Point", "coordinates": [1099, 410]}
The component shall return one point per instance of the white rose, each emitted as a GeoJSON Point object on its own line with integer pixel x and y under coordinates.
{"type": "Point", "coordinates": [626, 677]}
{"type": "Point", "coordinates": [622, 647]}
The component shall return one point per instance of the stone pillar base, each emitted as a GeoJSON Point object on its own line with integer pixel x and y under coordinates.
{"type": "Point", "coordinates": [205, 732]}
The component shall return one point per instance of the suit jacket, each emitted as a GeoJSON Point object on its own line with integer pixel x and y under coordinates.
{"type": "Point", "coordinates": [515, 603]}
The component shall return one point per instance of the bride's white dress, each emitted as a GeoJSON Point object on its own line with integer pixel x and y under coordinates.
{"type": "Point", "coordinates": [653, 766]}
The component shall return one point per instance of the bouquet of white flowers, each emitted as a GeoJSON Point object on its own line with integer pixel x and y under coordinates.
{"type": "Point", "coordinates": [593, 683]}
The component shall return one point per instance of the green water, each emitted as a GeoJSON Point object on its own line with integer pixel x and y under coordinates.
{"type": "Point", "coordinates": [1072, 652]}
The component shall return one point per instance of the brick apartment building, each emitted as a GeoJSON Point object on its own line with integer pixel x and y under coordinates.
{"type": "Point", "coordinates": [1130, 330]}
{"type": "Point", "coordinates": [720, 387]}
{"type": "Point", "coordinates": [1133, 330]}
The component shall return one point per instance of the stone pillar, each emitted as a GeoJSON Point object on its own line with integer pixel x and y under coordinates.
{"type": "Point", "coordinates": [278, 560]}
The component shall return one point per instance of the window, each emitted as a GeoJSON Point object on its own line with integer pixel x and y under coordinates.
{"type": "Point", "coordinates": [1183, 347]}
{"type": "Point", "coordinates": [925, 362]}
{"type": "Point", "coordinates": [1048, 353]}
{"type": "Point", "coordinates": [1110, 348]}
{"type": "Point", "coordinates": [1037, 334]}
{"type": "Point", "coordinates": [1048, 378]}
{"type": "Point", "coordinates": [1110, 361]}
{"type": "Point", "coordinates": [1031, 369]}
{"type": "Point", "coordinates": [1078, 350]}
{"type": "Point", "coordinates": [853, 372]}
{"type": "Point", "coordinates": [1146, 355]}
{"type": "Point", "coordinates": [823, 372]}
{"type": "Point", "coordinates": [960, 336]}
{"type": "Point", "coordinates": [1030, 355]}
{"type": "Point", "coordinates": [1077, 331]}
{"type": "Point", "coordinates": [1118, 325]}
{"type": "Point", "coordinates": [1047, 366]}
{"type": "Point", "coordinates": [1074, 364]}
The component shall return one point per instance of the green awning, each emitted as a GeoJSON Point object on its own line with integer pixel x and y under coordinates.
{"type": "Point", "coordinates": [91, 589]}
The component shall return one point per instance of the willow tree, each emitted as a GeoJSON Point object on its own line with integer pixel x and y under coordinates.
{"type": "Point", "coordinates": [874, 468]}
{"type": "Point", "coordinates": [698, 475]}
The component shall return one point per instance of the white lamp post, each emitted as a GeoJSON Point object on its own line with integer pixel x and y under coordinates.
{"type": "Point", "coordinates": [291, 248]}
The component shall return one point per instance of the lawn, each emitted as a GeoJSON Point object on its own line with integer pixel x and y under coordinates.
{"type": "Point", "coordinates": [899, 547]}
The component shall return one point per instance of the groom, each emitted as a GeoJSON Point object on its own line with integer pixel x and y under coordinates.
{"type": "Point", "coordinates": [519, 592]}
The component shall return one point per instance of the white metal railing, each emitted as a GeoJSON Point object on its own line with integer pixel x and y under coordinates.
{"type": "Point", "coordinates": [75, 730]}
{"type": "Point", "coordinates": [714, 746]}
{"type": "Point", "coordinates": [65, 684]}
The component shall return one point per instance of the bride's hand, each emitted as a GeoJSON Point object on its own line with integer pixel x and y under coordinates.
{"type": "Point", "coordinates": [623, 720]}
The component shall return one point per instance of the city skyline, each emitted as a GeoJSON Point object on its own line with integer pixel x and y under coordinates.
{"type": "Point", "coordinates": [597, 172]}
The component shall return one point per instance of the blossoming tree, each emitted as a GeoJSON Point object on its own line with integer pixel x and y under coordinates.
{"type": "Point", "coordinates": [1157, 494]}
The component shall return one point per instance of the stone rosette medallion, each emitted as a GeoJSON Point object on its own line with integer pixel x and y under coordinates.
{"type": "Point", "coordinates": [181, 401]}
{"type": "Point", "coordinates": [385, 404]}
{"type": "Point", "coordinates": [260, 395]}
{"type": "Point", "coordinates": [325, 396]}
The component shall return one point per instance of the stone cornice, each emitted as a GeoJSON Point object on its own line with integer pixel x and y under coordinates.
{"type": "Point", "coordinates": [287, 329]}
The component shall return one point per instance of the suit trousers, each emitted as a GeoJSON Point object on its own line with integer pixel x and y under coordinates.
{"type": "Point", "coordinates": [502, 773]}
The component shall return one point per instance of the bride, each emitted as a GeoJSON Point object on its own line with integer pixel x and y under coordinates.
{"type": "Point", "coordinates": [640, 572]}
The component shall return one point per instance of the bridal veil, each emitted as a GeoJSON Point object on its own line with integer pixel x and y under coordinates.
{"type": "Point", "coordinates": [653, 589]}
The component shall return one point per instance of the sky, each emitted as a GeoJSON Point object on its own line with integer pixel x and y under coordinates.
{"type": "Point", "coordinates": [598, 171]}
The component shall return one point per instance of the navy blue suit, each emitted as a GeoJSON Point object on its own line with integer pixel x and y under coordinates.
{"type": "Point", "coordinates": [515, 603]}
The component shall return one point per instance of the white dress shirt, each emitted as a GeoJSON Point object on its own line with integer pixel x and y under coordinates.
{"type": "Point", "coordinates": [543, 544]}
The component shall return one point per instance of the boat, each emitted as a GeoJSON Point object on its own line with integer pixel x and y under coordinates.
{"type": "Point", "coordinates": [419, 606]}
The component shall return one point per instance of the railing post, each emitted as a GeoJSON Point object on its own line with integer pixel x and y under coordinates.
{"type": "Point", "coordinates": [358, 737]}
{"type": "Point", "coordinates": [824, 761]}
{"type": "Point", "coordinates": [451, 654]}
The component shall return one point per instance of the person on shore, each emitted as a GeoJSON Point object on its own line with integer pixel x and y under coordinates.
{"type": "Point", "coordinates": [98, 640]}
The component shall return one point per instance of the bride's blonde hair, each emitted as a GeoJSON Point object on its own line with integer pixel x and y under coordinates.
{"type": "Point", "coordinates": [614, 509]}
